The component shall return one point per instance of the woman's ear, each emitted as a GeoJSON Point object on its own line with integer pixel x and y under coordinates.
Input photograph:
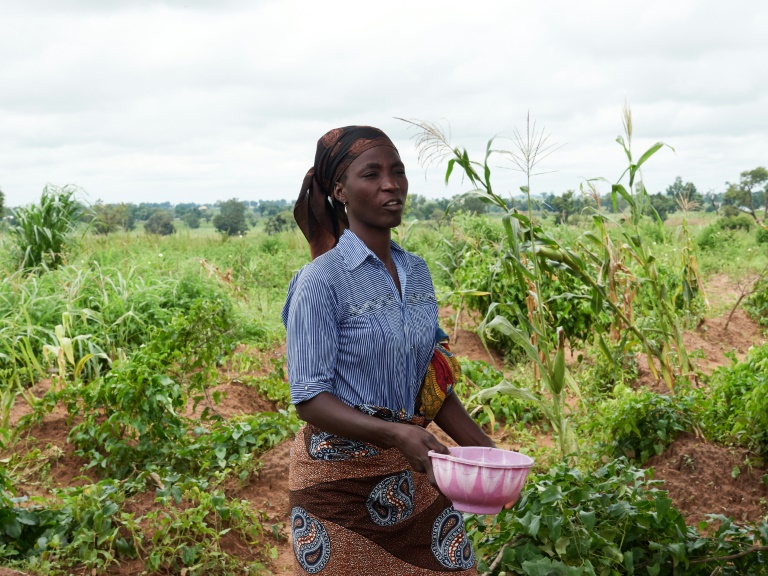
{"type": "Point", "coordinates": [338, 193]}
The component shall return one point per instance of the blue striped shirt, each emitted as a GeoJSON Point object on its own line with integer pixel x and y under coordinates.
{"type": "Point", "coordinates": [349, 331]}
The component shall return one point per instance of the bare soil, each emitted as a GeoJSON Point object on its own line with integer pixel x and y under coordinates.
{"type": "Point", "coordinates": [703, 478]}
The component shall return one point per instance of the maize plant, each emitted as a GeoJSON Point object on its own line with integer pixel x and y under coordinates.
{"type": "Point", "coordinates": [40, 232]}
{"type": "Point", "coordinates": [530, 329]}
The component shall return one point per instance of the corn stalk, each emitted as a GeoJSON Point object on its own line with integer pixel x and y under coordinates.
{"type": "Point", "coordinates": [529, 329]}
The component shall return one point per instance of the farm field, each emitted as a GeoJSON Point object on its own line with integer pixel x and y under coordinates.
{"type": "Point", "coordinates": [147, 420]}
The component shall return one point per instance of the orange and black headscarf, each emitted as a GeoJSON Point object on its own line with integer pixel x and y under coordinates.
{"type": "Point", "coordinates": [322, 219]}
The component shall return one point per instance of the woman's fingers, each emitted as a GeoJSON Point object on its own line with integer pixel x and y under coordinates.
{"type": "Point", "coordinates": [415, 446]}
{"type": "Point", "coordinates": [509, 505]}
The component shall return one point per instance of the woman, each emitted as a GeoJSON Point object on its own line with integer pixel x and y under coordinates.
{"type": "Point", "coordinates": [367, 373]}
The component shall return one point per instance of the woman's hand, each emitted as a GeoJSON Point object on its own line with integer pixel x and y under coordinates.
{"type": "Point", "coordinates": [414, 442]}
{"type": "Point", "coordinates": [330, 414]}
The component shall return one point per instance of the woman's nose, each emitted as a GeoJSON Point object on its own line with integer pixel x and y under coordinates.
{"type": "Point", "coordinates": [389, 182]}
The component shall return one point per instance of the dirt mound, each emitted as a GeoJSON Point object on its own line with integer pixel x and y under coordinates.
{"type": "Point", "coordinates": [9, 572]}
{"type": "Point", "coordinates": [704, 478]}
{"type": "Point", "coordinates": [236, 399]}
{"type": "Point", "coordinates": [709, 346]}
{"type": "Point", "coordinates": [710, 341]}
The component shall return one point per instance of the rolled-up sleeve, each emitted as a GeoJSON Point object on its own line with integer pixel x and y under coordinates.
{"type": "Point", "coordinates": [311, 336]}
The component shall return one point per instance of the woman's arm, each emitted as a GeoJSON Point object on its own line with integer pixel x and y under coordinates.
{"type": "Point", "coordinates": [330, 414]}
{"type": "Point", "coordinates": [458, 424]}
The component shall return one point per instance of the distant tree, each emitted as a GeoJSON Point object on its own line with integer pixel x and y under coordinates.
{"type": "Point", "coordinates": [470, 204]}
{"type": "Point", "coordinates": [564, 206]}
{"type": "Point", "coordinates": [161, 222]}
{"type": "Point", "coordinates": [275, 224]}
{"type": "Point", "coordinates": [2, 204]}
{"type": "Point", "coordinates": [181, 209]}
{"type": "Point", "coordinates": [231, 219]}
{"type": "Point", "coordinates": [143, 211]}
{"type": "Point", "coordinates": [663, 204]}
{"type": "Point", "coordinates": [687, 191]}
{"type": "Point", "coordinates": [103, 218]}
{"type": "Point", "coordinates": [125, 217]}
{"type": "Point", "coordinates": [192, 218]}
{"type": "Point", "coordinates": [715, 201]}
{"type": "Point", "coordinates": [751, 191]}
{"type": "Point", "coordinates": [107, 218]}
{"type": "Point", "coordinates": [272, 207]}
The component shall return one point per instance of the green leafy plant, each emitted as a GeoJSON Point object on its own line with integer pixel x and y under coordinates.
{"type": "Point", "coordinates": [498, 409]}
{"type": "Point", "coordinates": [638, 425]}
{"type": "Point", "coordinates": [757, 303]}
{"type": "Point", "coordinates": [190, 538]}
{"type": "Point", "coordinates": [41, 233]}
{"type": "Point", "coordinates": [233, 443]}
{"type": "Point", "coordinates": [737, 411]}
{"type": "Point", "coordinates": [83, 528]}
{"type": "Point", "coordinates": [132, 416]}
{"type": "Point", "coordinates": [612, 521]}
{"type": "Point", "coordinates": [274, 386]}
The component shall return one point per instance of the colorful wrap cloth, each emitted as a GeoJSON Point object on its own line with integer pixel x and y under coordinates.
{"type": "Point", "coordinates": [357, 508]}
{"type": "Point", "coordinates": [442, 374]}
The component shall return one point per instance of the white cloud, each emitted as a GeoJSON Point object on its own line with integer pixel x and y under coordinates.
{"type": "Point", "coordinates": [198, 101]}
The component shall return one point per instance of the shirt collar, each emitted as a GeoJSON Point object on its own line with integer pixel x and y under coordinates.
{"type": "Point", "coordinates": [355, 252]}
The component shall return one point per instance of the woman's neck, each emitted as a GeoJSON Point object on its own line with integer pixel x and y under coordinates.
{"type": "Point", "coordinates": [378, 242]}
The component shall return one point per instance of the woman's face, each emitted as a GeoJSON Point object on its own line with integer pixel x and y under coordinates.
{"type": "Point", "coordinates": [374, 189]}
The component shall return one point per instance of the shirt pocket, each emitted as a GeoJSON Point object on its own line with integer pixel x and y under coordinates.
{"type": "Point", "coordinates": [368, 334]}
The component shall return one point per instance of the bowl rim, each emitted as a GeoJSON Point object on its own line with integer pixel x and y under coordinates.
{"type": "Point", "coordinates": [452, 458]}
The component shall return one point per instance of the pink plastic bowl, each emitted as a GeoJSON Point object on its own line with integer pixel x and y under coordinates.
{"type": "Point", "coordinates": [480, 480]}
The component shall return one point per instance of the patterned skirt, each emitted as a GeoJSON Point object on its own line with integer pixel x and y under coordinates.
{"type": "Point", "coordinates": [359, 509]}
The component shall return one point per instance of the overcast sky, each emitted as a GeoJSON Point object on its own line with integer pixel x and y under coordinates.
{"type": "Point", "coordinates": [197, 101]}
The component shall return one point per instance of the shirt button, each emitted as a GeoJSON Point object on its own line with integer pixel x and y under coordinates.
{"type": "Point", "coordinates": [306, 387]}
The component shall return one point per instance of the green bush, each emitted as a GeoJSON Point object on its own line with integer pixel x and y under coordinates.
{"type": "Point", "coordinates": [638, 425]}
{"type": "Point", "coordinates": [737, 410]}
{"type": "Point", "coordinates": [612, 521]}
{"type": "Point", "coordinates": [132, 416]}
{"type": "Point", "coordinates": [735, 222]}
{"type": "Point", "coordinates": [757, 303]}
{"type": "Point", "coordinates": [231, 219]}
{"type": "Point", "coordinates": [762, 235]}
{"type": "Point", "coordinates": [714, 236]}
{"type": "Point", "coordinates": [160, 223]}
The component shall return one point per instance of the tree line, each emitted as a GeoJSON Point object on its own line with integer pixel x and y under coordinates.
{"type": "Point", "coordinates": [232, 217]}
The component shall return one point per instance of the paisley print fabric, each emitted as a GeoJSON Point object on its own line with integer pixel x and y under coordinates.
{"type": "Point", "coordinates": [380, 517]}
{"type": "Point", "coordinates": [325, 446]}
{"type": "Point", "coordinates": [311, 544]}
{"type": "Point", "coordinates": [449, 541]}
{"type": "Point", "coordinates": [391, 500]}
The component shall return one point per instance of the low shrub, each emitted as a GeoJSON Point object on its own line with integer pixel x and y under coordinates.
{"type": "Point", "coordinates": [638, 425]}
{"type": "Point", "coordinates": [612, 521]}
{"type": "Point", "coordinates": [736, 410]}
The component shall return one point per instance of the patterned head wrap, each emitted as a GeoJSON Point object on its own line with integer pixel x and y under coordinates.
{"type": "Point", "coordinates": [322, 220]}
